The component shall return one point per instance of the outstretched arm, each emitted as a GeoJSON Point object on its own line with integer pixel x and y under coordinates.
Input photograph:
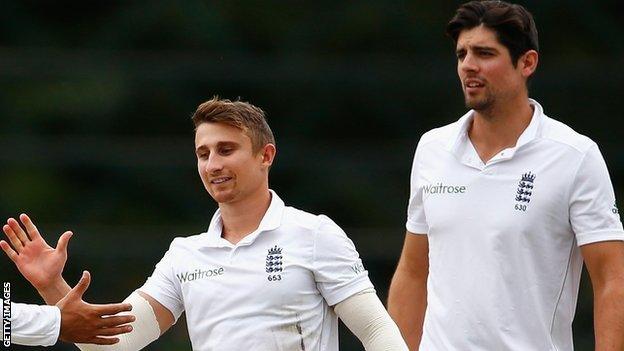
{"type": "Point", "coordinates": [71, 320]}
{"type": "Point", "coordinates": [38, 262]}
{"type": "Point", "coordinates": [43, 265]}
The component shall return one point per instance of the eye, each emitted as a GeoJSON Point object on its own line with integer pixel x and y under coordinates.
{"type": "Point", "coordinates": [226, 150]}
{"type": "Point", "coordinates": [460, 55]}
{"type": "Point", "coordinates": [202, 153]}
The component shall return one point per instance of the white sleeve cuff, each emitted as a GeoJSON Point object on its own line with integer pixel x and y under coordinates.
{"type": "Point", "coordinates": [416, 228]}
{"type": "Point", "coordinates": [598, 236]}
{"type": "Point", "coordinates": [34, 325]}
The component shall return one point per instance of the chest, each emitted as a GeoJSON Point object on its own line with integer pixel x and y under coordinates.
{"type": "Point", "coordinates": [268, 277]}
{"type": "Point", "coordinates": [500, 199]}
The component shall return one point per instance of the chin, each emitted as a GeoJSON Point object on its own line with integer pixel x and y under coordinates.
{"type": "Point", "coordinates": [223, 197]}
{"type": "Point", "coordinates": [478, 104]}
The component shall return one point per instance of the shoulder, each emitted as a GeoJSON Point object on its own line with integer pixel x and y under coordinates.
{"type": "Point", "coordinates": [561, 134]}
{"type": "Point", "coordinates": [306, 221]}
{"type": "Point", "coordinates": [186, 243]}
{"type": "Point", "coordinates": [321, 234]}
{"type": "Point", "coordinates": [440, 135]}
{"type": "Point", "coordinates": [181, 248]}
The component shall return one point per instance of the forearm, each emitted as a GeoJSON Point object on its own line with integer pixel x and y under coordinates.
{"type": "Point", "coordinates": [54, 292]}
{"type": "Point", "coordinates": [407, 302]}
{"type": "Point", "coordinates": [609, 317]}
{"type": "Point", "coordinates": [366, 317]}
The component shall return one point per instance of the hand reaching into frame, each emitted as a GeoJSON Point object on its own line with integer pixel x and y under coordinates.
{"type": "Point", "coordinates": [39, 263]}
{"type": "Point", "coordinates": [86, 323]}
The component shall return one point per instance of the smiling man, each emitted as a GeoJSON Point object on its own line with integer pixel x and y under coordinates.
{"type": "Point", "coordinates": [265, 276]}
{"type": "Point", "coordinates": [497, 266]}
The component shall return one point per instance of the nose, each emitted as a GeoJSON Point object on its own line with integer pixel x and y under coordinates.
{"type": "Point", "coordinates": [469, 63]}
{"type": "Point", "coordinates": [214, 163]}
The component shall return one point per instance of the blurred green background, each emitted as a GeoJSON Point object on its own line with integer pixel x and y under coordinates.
{"type": "Point", "coordinates": [96, 98]}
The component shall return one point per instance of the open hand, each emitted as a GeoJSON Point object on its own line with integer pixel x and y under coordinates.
{"type": "Point", "coordinates": [86, 323]}
{"type": "Point", "coordinates": [39, 263]}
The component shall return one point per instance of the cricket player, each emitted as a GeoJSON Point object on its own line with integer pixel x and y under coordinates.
{"type": "Point", "coordinates": [505, 205]}
{"type": "Point", "coordinates": [264, 276]}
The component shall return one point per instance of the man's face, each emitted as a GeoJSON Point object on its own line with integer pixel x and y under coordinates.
{"type": "Point", "coordinates": [227, 165]}
{"type": "Point", "coordinates": [485, 69]}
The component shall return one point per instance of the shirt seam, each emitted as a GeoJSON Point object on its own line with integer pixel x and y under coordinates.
{"type": "Point", "coordinates": [574, 179]}
{"type": "Point", "coordinates": [580, 150]}
{"type": "Point", "coordinates": [316, 234]}
{"type": "Point", "coordinates": [417, 165]}
{"type": "Point", "coordinates": [563, 283]}
{"type": "Point", "coordinates": [355, 286]}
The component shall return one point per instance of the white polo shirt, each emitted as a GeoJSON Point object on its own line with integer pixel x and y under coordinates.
{"type": "Point", "coordinates": [504, 237]}
{"type": "Point", "coordinates": [272, 291]}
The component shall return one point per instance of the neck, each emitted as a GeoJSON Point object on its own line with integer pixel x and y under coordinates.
{"type": "Point", "coordinates": [499, 127]}
{"type": "Point", "coordinates": [243, 217]}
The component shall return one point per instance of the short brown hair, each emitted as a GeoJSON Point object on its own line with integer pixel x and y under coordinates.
{"type": "Point", "coordinates": [513, 24]}
{"type": "Point", "coordinates": [240, 114]}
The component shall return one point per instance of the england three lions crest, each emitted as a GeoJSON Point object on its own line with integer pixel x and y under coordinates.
{"type": "Point", "coordinates": [274, 263]}
{"type": "Point", "coordinates": [524, 191]}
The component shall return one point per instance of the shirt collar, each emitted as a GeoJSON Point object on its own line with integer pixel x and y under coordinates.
{"type": "Point", "coordinates": [459, 135]}
{"type": "Point", "coordinates": [271, 220]}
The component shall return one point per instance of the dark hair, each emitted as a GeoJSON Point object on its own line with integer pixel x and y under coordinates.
{"type": "Point", "coordinates": [240, 114]}
{"type": "Point", "coordinates": [513, 24]}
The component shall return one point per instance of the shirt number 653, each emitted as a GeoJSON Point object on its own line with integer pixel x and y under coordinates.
{"type": "Point", "coordinates": [274, 277]}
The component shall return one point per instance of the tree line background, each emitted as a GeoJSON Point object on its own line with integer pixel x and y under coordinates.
{"type": "Point", "coordinates": [96, 99]}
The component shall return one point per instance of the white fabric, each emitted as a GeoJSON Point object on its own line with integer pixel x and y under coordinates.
{"type": "Point", "coordinates": [34, 325]}
{"type": "Point", "coordinates": [367, 318]}
{"type": "Point", "coordinates": [145, 328]}
{"type": "Point", "coordinates": [271, 291]}
{"type": "Point", "coordinates": [504, 257]}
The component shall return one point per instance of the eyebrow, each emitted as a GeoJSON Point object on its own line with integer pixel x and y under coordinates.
{"type": "Point", "coordinates": [477, 47]}
{"type": "Point", "coordinates": [219, 144]}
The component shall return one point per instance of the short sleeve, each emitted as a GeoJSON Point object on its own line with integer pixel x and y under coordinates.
{"type": "Point", "coordinates": [593, 212]}
{"type": "Point", "coordinates": [163, 286]}
{"type": "Point", "coordinates": [338, 269]}
{"type": "Point", "coordinates": [416, 220]}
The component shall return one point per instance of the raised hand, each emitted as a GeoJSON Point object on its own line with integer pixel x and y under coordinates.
{"type": "Point", "coordinates": [82, 322]}
{"type": "Point", "coordinates": [39, 263]}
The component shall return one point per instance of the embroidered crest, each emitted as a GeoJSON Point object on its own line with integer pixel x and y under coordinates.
{"type": "Point", "coordinates": [274, 263]}
{"type": "Point", "coordinates": [525, 191]}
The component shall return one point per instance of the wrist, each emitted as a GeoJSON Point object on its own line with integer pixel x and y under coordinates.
{"type": "Point", "coordinates": [55, 291]}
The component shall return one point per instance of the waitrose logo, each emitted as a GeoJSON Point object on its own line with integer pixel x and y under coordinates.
{"type": "Point", "coordinates": [199, 274]}
{"type": "Point", "coordinates": [440, 188]}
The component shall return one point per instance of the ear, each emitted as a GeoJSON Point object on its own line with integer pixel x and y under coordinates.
{"type": "Point", "coordinates": [268, 154]}
{"type": "Point", "coordinates": [527, 63]}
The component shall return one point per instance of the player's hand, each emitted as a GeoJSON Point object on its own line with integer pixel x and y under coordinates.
{"type": "Point", "coordinates": [85, 323]}
{"type": "Point", "coordinates": [39, 263]}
